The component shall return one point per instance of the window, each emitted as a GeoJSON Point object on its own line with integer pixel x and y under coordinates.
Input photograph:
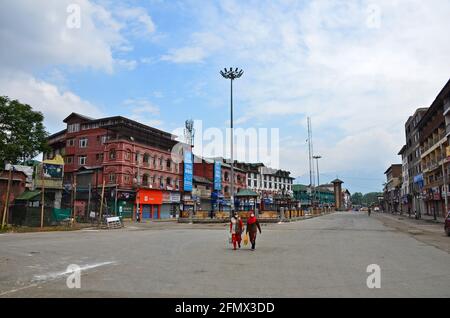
{"type": "Point", "coordinates": [99, 157]}
{"type": "Point", "coordinates": [128, 155]}
{"type": "Point", "coordinates": [127, 178]}
{"type": "Point", "coordinates": [249, 182]}
{"type": "Point", "coordinates": [69, 160]}
{"type": "Point", "coordinates": [82, 160]}
{"type": "Point", "coordinates": [83, 142]}
{"type": "Point", "coordinates": [73, 128]}
{"type": "Point", "coordinates": [168, 182]}
{"type": "Point", "coordinates": [255, 183]}
{"type": "Point", "coordinates": [226, 176]}
{"type": "Point", "coordinates": [70, 142]}
{"type": "Point", "coordinates": [112, 154]}
{"type": "Point", "coordinates": [104, 138]}
{"type": "Point", "coordinates": [161, 162]}
{"type": "Point", "coordinates": [112, 177]}
{"type": "Point", "coordinates": [168, 163]}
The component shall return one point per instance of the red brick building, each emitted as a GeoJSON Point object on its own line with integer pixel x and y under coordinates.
{"type": "Point", "coordinates": [204, 168]}
{"type": "Point", "coordinates": [133, 160]}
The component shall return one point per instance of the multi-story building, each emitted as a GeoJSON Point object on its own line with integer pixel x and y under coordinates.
{"type": "Point", "coordinates": [204, 172]}
{"type": "Point", "coordinates": [404, 191]}
{"type": "Point", "coordinates": [267, 182]}
{"type": "Point", "coordinates": [131, 161]}
{"type": "Point", "coordinates": [412, 153]}
{"type": "Point", "coordinates": [392, 188]}
{"type": "Point", "coordinates": [434, 154]}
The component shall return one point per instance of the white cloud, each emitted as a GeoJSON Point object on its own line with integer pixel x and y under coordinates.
{"type": "Point", "coordinates": [47, 98]}
{"type": "Point", "coordinates": [326, 59]}
{"type": "Point", "coordinates": [37, 34]}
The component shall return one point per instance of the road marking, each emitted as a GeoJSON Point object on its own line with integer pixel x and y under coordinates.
{"type": "Point", "coordinates": [52, 276]}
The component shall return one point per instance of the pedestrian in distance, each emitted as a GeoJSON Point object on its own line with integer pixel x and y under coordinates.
{"type": "Point", "coordinates": [369, 210]}
{"type": "Point", "coordinates": [235, 230]}
{"type": "Point", "coordinates": [240, 230]}
{"type": "Point", "coordinates": [252, 229]}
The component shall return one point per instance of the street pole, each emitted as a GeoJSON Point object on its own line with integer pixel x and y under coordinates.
{"type": "Point", "coordinates": [101, 202]}
{"type": "Point", "coordinates": [232, 150]}
{"type": "Point", "coordinates": [6, 207]}
{"type": "Point", "coordinates": [42, 196]}
{"type": "Point", "coordinates": [318, 177]}
{"type": "Point", "coordinates": [232, 75]}
{"type": "Point", "coordinates": [444, 176]}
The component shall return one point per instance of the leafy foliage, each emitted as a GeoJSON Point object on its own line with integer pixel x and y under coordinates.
{"type": "Point", "coordinates": [22, 132]}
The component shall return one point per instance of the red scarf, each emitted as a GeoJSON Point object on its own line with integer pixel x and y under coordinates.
{"type": "Point", "coordinates": [251, 220]}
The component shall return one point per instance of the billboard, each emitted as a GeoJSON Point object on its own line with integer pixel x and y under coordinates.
{"type": "Point", "coordinates": [188, 171]}
{"type": "Point", "coordinates": [53, 171]}
{"type": "Point", "coordinates": [217, 175]}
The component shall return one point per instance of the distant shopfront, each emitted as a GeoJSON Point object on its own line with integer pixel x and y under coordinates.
{"type": "Point", "coordinates": [150, 203]}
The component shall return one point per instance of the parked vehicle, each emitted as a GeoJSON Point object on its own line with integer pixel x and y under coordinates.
{"type": "Point", "coordinates": [376, 209]}
{"type": "Point", "coordinates": [447, 224]}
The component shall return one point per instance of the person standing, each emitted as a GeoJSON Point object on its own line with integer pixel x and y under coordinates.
{"type": "Point", "coordinates": [252, 229]}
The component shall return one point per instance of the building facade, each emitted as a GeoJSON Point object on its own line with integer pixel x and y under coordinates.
{"type": "Point", "coordinates": [392, 188]}
{"type": "Point", "coordinates": [132, 162]}
{"type": "Point", "coordinates": [434, 155]}
{"type": "Point", "coordinates": [412, 153]}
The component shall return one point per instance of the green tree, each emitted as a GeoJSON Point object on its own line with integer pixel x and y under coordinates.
{"type": "Point", "coordinates": [371, 198]}
{"type": "Point", "coordinates": [357, 198]}
{"type": "Point", "coordinates": [22, 132]}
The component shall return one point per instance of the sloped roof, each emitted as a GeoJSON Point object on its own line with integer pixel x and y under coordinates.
{"type": "Point", "coordinates": [28, 195]}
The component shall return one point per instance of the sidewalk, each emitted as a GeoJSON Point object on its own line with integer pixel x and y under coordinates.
{"type": "Point", "coordinates": [425, 217]}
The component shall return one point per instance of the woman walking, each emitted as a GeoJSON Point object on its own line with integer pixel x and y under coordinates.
{"type": "Point", "coordinates": [236, 229]}
{"type": "Point", "coordinates": [252, 228]}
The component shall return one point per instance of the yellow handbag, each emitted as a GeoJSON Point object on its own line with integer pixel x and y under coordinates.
{"type": "Point", "coordinates": [245, 239]}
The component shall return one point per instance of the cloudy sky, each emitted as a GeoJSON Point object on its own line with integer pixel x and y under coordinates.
{"type": "Point", "coordinates": [357, 68]}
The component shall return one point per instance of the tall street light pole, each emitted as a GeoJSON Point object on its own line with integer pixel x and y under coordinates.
{"type": "Point", "coordinates": [232, 75]}
{"type": "Point", "coordinates": [318, 177]}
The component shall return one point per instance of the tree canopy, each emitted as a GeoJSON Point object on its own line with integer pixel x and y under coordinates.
{"type": "Point", "coordinates": [22, 132]}
{"type": "Point", "coordinates": [365, 199]}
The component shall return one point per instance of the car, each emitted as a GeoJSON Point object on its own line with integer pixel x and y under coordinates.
{"type": "Point", "coordinates": [364, 210]}
{"type": "Point", "coordinates": [447, 224]}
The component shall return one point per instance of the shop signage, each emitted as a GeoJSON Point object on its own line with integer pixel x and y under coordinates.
{"type": "Point", "coordinates": [188, 171]}
{"type": "Point", "coordinates": [175, 197]}
{"type": "Point", "coordinates": [217, 175]}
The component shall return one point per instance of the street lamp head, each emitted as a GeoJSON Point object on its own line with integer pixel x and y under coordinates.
{"type": "Point", "coordinates": [317, 157]}
{"type": "Point", "coordinates": [232, 74]}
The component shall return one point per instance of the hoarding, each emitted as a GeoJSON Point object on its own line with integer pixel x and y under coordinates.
{"type": "Point", "coordinates": [188, 171]}
{"type": "Point", "coordinates": [217, 175]}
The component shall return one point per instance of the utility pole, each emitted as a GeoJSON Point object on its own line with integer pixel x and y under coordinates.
{"type": "Point", "coordinates": [318, 177]}
{"type": "Point", "coordinates": [101, 202]}
{"type": "Point", "coordinates": [444, 178]}
{"type": "Point", "coordinates": [42, 195]}
{"type": "Point", "coordinates": [311, 164]}
{"type": "Point", "coordinates": [8, 189]}
{"type": "Point", "coordinates": [232, 75]}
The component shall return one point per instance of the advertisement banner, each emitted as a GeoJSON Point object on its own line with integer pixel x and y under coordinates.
{"type": "Point", "coordinates": [188, 171]}
{"type": "Point", "coordinates": [217, 175]}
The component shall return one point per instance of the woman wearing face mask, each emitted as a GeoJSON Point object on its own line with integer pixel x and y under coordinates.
{"type": "Point", "coordinates": [236, 230]}
{"type": "Point", "coordinates": [252, 228]}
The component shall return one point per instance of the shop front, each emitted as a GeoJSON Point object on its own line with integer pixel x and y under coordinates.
{"type": "Point", "coordinates": [150, 203]}
{"type": "Point", "coordinates": [171, 204]}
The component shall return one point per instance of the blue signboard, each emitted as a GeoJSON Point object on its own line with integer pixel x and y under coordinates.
{"type": "Point", "coordinates": [217, 175]}
{"type": "Point", "coordinates": [188, 171]}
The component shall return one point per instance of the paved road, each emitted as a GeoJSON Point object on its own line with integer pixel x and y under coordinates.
{"type": "Point", "coordinates": [323, 257]}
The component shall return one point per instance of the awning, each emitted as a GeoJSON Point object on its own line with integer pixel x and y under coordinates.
{"type": "Point", "coordinates": [28, 195]}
